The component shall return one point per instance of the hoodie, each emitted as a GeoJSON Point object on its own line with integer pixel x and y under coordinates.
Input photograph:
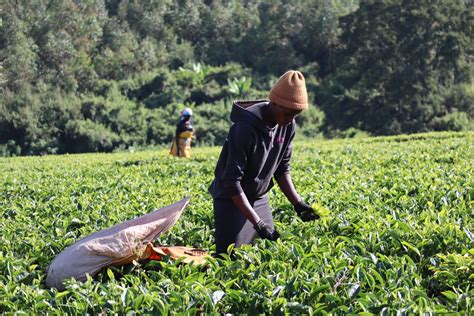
{"type": "Point", "coordinates": [253, 153]}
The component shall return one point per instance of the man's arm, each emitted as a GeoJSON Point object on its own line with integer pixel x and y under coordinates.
{"type": "Point", "coordinates": [263, 230]}
{"type": "Point", "coordinates": [304, 211]}
{"type": "Point", "coordinates": [243, 204]}
{"type": "Point", "coordinates": [288, 188]}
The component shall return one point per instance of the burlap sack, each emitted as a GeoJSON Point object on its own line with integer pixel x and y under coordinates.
{"type": "Point", "coordinates": [117, 245]}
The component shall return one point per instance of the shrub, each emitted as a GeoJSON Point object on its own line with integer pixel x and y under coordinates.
{"type": "Point", "coordinates": [83, 136]}
{"type": "Point", "coordinates": [455, 121]}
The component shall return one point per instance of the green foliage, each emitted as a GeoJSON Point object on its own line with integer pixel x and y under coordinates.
{"type": "Point", "coordinates": [397, 235]}
{"type": "Point", "coordinates": [212, 123]}
{"type": "Point", "coordinates": [136, 112]}
{"type": "Point", "coordinates": [18, 53]}
{"type": "Point", "coordinates": [310, 123]}
{"type": "Point", "coordinates": [456, 121]}
{"type": "Point", "coordinates": [454, 269]}
{"type": "Point", "coordinates": [400, 66]}
{"type": "Point", "coordinates": [89, 136]}
{"type": "Point", "coordinates": [10, 149]}
{"type": "Point", "coordinates": [384, 67]}
{"type": "Point", "coordinates": [351, 132]}
{"type": "Point", "coordinates": [113, 40]}
{"type": "Point", "coordinates": [240, 87]}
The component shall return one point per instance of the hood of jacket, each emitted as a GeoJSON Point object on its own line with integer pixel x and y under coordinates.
{"type": "Point", "coordinates": [240, 113]}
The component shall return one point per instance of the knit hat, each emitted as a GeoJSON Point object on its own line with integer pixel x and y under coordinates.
{"type": "Point", "coordinates": [290, 91]}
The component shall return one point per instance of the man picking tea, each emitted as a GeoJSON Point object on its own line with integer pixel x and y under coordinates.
{"type": "Point", "coordinates": [257, 150]}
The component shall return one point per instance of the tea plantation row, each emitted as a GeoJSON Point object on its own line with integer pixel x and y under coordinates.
{"type": "Point", "coordinates": [398, 236]}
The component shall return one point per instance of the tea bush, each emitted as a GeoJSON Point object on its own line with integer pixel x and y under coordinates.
{"type": "Point", "coordinates": [398, 237]}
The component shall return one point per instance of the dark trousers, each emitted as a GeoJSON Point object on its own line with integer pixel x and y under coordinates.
{"type": "Point", "coordinates": [232, 227]}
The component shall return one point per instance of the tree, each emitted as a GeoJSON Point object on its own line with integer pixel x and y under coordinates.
{"type": "Point", "coordinates": [18, 52]}
{"type": "Point", "coordinates": [397, 65]}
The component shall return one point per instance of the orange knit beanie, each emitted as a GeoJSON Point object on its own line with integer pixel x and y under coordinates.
{"type": "Point", "coordinates": [290, 91]}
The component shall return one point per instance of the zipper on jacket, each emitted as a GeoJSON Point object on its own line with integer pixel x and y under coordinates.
{"type": "Point", "coordinates": [272, 135]}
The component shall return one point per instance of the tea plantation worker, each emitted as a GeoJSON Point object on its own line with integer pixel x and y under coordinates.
{"type": "Point", "coordinates": [181, 145]}
{"type": "Point", "coordinates": [257, 149]}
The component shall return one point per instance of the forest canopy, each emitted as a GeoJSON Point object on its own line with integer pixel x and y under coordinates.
{"type": "Point", "coordinates": [97, 75]}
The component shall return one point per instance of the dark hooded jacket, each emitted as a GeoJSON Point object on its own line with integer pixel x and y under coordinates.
{"type": "Point", "coordinates": [252, 155]}
{"type": "Point", "coordinates": [184, 125]}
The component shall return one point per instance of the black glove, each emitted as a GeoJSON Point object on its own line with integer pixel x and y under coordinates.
{"type": "Point", "coordinates": [305, 212]}
{"type": "Point", "coordinates": [266, 232]}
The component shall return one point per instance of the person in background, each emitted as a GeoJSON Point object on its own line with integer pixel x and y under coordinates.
{"type": "Point", "coordinates": [181, 145]}
{"type": "Point", "coordinates": [257, 150]}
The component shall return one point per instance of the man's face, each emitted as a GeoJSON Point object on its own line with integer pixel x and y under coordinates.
{"type": "Point", "coordinates": [284, 116]}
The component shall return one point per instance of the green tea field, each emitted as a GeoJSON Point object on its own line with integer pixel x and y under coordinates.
{"type": "Point", "coordinates": [396, 236]}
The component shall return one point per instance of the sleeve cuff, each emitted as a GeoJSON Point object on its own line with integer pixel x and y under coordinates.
{"type": "Point", "coordinates": [233, 188]}
{"type": "Point", "coordinates": [277, 175]}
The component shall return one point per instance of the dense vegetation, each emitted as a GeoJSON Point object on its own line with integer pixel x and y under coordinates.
{"type": "Point", "coordinates": [101, 75]}
{"type": "Point", "coordinates": [398, 238]}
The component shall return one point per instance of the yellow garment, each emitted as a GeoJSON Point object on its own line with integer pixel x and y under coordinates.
{"type": "Point", "coordinates": [185, 139]}
{"type": "Point", "coordinates": [187, 254]}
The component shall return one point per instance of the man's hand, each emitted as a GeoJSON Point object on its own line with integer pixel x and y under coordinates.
{"type": "Point", "coordinates": [266, 232]}
{"type": "Point", "coordinates": [305, 212]}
